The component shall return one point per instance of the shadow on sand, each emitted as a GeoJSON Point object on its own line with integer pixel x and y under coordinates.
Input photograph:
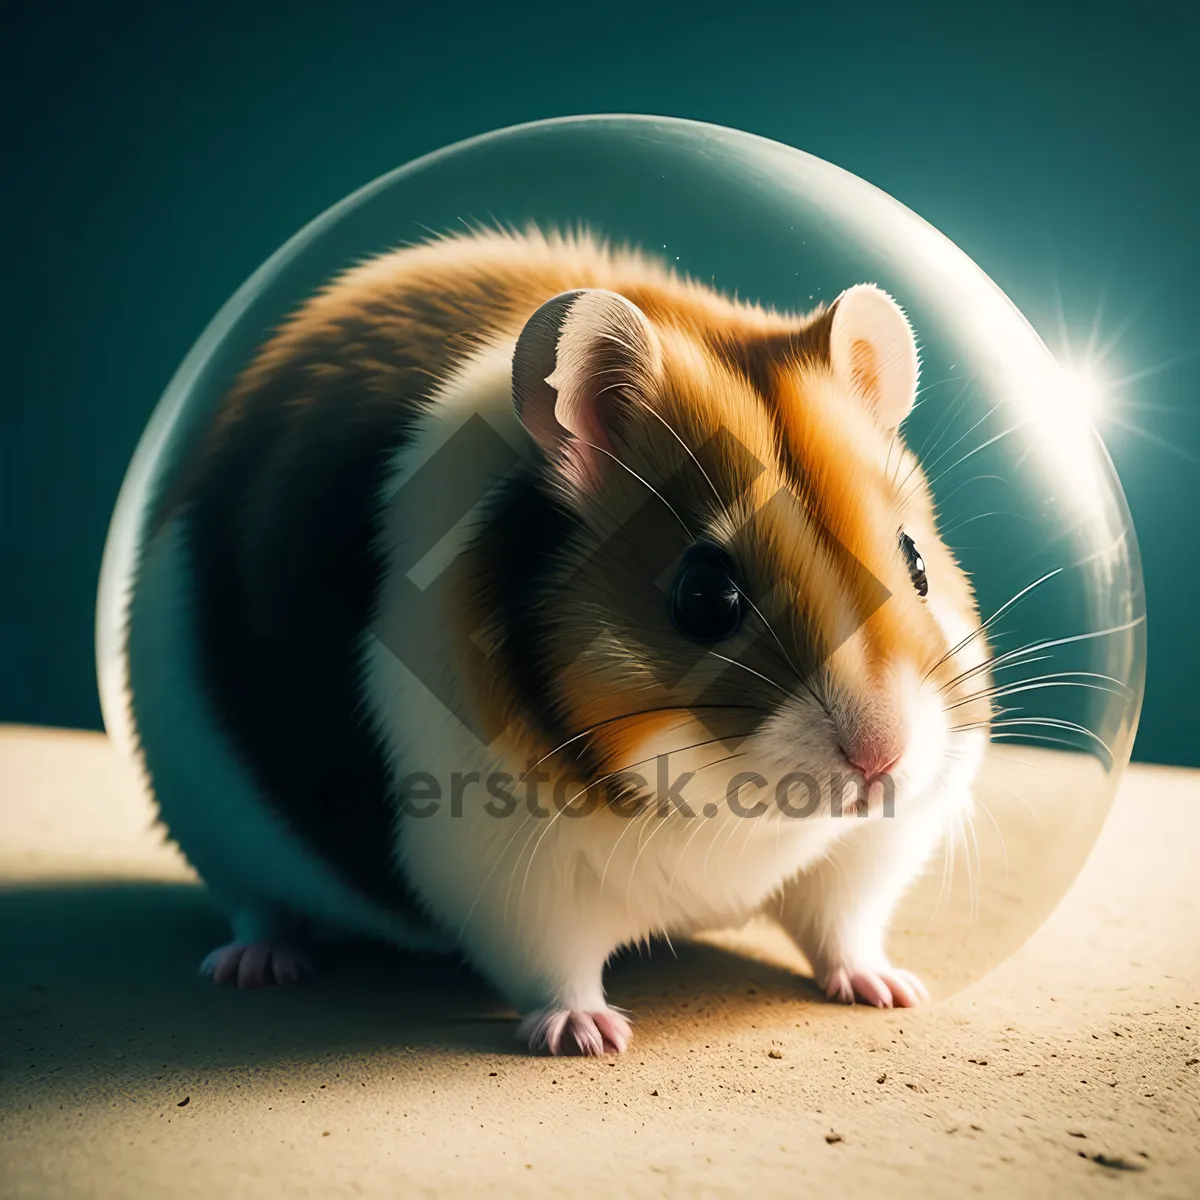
{"type": "Point", "coordinates": [105, 972]}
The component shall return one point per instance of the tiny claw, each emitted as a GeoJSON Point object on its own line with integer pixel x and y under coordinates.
{"type": "Point", "coordinates": [568, 1032]}
{"type": "Point", "coordinates": [884, 987]}
{"type": "Point", "coordinates": [257, 964]}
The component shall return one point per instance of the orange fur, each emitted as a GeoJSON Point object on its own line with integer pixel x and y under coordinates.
{"type": "Point", "coordinates": [798, 489]}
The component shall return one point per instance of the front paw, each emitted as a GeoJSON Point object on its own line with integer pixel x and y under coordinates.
{"type": "Point", "coordinates": [879, 984]}
{"type": "Point", "coordinates": [567, 1032]}
{"type": "Point", "coordinates": [257, 964]}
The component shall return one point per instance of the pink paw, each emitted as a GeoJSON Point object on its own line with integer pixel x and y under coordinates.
{"type": "Point", "coordinates": [257, 964]}
{"type": "Point", "coordinates": [561, 1031]}
{"type": "Point", "coordinates": [884, 987]}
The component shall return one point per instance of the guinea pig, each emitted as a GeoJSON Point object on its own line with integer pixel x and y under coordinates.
{"type": "Point", "coordinates": [527, 600]}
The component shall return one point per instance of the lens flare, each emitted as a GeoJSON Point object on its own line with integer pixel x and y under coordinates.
{"type": "Point", "coordinates": [1005, 432]}
{"type": "Point", "coordinates": [1087, 391]}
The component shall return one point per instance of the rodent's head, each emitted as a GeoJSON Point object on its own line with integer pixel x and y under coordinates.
{"type": "Point", "coordinates": [752, 580]}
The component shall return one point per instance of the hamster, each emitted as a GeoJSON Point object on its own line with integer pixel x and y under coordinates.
{"type": "Point", "coordinates": [525, 599]}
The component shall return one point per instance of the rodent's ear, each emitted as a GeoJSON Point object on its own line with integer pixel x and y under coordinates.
{"type": "Point", "coordinates": [581, 359]}
{"type": "Point", "coordinates": [872, 350]}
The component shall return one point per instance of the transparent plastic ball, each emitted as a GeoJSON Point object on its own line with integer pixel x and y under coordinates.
{"type": "Point", "coordinates": [1026, 494]}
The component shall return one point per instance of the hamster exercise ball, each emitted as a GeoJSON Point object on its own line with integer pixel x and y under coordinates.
{"type": "Point", "coordinates": [1025, 494]}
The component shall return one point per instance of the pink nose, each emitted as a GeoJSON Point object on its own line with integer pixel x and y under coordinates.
{"type": "Point", "coordinates": [872, 761]}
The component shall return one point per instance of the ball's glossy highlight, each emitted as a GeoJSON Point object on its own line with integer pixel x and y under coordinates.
{"type": "Point", "coordinates": [1027, 496]}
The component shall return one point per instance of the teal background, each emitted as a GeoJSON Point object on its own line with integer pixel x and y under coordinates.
{"type": "Point", "coordinates": [156, 154]}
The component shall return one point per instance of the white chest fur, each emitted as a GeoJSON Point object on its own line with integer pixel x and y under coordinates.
{"type": "Point", "coordinates": [538, 896]}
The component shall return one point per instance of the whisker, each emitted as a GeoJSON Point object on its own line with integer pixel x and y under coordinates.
{"type": "Point", "coordinates": [630, 766]}
{"type": "Point", "coordinates": [686, 448]}
{"type": "Point", "coordinates": [1032, 685]}
{"type": "Point", "coordinates": [663, 820]}
{"type": "Point", "coordinates": [986, 665]}
{"type": "Point", "coordinates": [528, 866]}
{"type": "Point", "coordinates": [567, 804]}
{"type": "Point", "coordinates": [943, 426]}
{"type": "Point", "coordinates": [944, 500]}
{"type": "Point", "coordinates": [998, 512]}
{"type": "Point", "coordinates": [1003, 848]}
{"type": "Point", "coordinates": [1050, 644]}
{"type": "Point", "coordinates": [1008, 604]}
{"type": "Point", "coordinates": [629, 716]}
{"type": "Point", "coordinates": [700, 825]}
{"type": "Point", "coordinates": [716, 493]}
{"type": "Point", "coordinates": [992, 781]}
{"type": "Point", "coordinates": [887, 462]}
{"type": "Point", "coordinates": [978, 450]}
{"type": "Point", "coordinates": [1036, 737]}
{"type": "Point", "coordinates": [654, 757]}
{"type": "Point", "coordinates": [995, 746]}
{"type": "Point", "coordinates": [487, 878]}
{"type": "Point", "coordinates": [648, 485]}
{"type": "Point", "coordinates": [782, 649]}
{"type": "Point", "coordinates": [616, 845]}
{"type": "Point", "coordinates": [759, 674]}
{"type": "Point", "coordinates": [974, 877]}
{"type": "Point", "coordinates": [960, 439]}
{"type": "Point", "coordinates": [1036, 723]}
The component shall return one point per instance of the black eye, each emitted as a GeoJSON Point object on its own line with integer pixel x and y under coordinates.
{"type": "Point", "coordinates": [706, 604]}
{"type": "Point", "coordinates": [916, 564]}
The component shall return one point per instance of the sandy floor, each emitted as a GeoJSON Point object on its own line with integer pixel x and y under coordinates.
{"type": "Point", "coordinates": [1073, 1069]}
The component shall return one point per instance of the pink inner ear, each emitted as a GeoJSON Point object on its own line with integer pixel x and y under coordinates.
{"type": "Point", "coordinates": [540, 420]}
{"type": "Point", "coordinates": [586, 420]}
{"type": "Point", "coordinates": [588, 449]}
{"type": "Point", "coordinates": [583, 465]}
{"type": "Point", "coordinates": [575, 357]}
{"type": "Point", "coordinates": [589, 381]}
{"type": "Point", "coordinates": [864, 368]}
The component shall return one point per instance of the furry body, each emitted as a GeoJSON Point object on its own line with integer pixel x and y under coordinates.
{"type": "Point", "coordinates": [378, 582]}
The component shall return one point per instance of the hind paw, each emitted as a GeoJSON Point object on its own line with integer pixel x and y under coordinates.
{"type": "Point", "coordinates": [257, 964]}
{"type": "Point", "coordinates": [884, 987]}
{"type": "Point", "coordinates": [591, 1034]}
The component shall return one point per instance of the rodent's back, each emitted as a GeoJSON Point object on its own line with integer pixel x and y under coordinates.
{"type": "Point", "coordinates": [281, 508]}
{"type": "Point", "coordinates": [280, 502]}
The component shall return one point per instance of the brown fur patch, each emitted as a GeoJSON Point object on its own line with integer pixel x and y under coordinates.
{"type": "Point", "coordinates": [746, 442]}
